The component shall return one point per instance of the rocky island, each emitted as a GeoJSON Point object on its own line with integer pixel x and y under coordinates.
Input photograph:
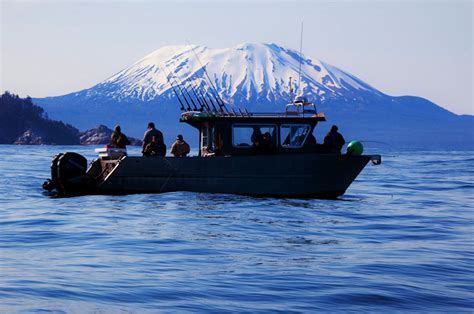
{"type": "Point", "coordinates": [101, 135]}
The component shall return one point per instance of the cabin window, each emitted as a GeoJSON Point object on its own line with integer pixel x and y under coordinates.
{"type": "Point", "coordinates": [245, 136]}
{"type": "Point", "coordinates": [206, 136]}
{"type": "Point", "coordinates": [203, 136]}
{"type": "Point", "coordinates": [293, 136]}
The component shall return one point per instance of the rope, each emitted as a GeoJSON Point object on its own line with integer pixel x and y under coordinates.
{"type": "Point", "coordinates": [170, 174]}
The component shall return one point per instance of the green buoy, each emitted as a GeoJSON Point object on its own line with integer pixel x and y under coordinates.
{"type": "Point", "coordinates": [355, 148]}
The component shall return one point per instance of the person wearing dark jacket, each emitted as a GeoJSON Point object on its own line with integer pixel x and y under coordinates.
{"type": "Point", "coordinates": [334, 140]}
{"type": "Point", "coordinates": [118, 139]}
{"type": "Point", "coordinates": [264, 145]}
{"type": "Point", "coordinates": [149, 134]}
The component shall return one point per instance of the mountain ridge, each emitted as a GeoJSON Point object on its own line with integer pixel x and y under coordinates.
{"type": "Point", "coordinates": [147, 78]}
{"type": "Point", "coordinates": [257, 77]}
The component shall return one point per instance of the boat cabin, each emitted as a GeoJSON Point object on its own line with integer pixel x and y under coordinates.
{"type": "Point", "coordinates": [244, 133]}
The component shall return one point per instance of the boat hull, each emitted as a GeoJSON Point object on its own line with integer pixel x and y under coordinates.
{"type": "Point", "coordinates": [318, 175]}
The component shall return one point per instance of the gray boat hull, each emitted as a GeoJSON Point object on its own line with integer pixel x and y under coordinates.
{"type": "Point", "coordinates": [311, 175]}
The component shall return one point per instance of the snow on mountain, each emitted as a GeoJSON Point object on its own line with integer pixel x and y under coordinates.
{"type": "Point", "coordinates": [257, 77]}
{"type": "Point", "coordinates": [246, 72]}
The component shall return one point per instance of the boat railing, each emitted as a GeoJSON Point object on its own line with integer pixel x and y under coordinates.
{"type": "Point", "coordinates": [301, 106]}
{"type": "Point", "coordinates": [302, 114]}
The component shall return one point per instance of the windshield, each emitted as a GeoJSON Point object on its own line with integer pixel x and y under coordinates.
{"type": "Point", "coordinates": [293, 136]}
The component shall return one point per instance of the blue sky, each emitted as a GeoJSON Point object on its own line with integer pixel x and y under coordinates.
{"type": "Point", "coordinates": [422, 48]}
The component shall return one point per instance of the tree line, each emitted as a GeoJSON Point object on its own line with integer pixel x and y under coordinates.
{"type": "Point", "coordinates": [18, 115]}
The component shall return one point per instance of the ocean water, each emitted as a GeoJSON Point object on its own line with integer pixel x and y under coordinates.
{"type": "Point", "coordinates": [400, 239]}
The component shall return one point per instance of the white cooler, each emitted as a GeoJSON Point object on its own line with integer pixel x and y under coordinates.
{"type": "Point", "coordinates": [113, 153]}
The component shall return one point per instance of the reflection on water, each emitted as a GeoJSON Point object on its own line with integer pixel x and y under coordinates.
{"type": "Point", "coordinates": [399, 239]}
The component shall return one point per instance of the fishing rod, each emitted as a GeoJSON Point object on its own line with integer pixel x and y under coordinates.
{"type": "Point", "coordinates": [219, 100]}
{"type": "Point", "coordinates": [391, 148]}
{"type": "Point", "coordinates": [189, 108]}
{"type": "Point", "coordinates": [378, 142]}
{"type": "Point", "coordinates": [174, 91]}
{"type": "Point", "coordinates": [190, 97]}
{"type": "Point", "coordinates": [203, 98]}
{"type": "Point", "coordinates": [187, 92]}
{"type": "Point", "coordinates": [208, 108]}
{"type": "Point", "coordinates": [196, 96]}
{"type": "Point", "coordinates": [177, 96]}
{"type": "Point", "coordinates": [212, 103]}
{"type": "Point", "coordinates": [203, 101]}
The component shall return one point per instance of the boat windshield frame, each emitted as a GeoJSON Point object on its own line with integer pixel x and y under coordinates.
{"type": "Point", "coordinates": [291, 125]}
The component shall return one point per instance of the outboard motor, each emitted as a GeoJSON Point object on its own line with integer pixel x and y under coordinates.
{"type": "Point", "coordinates": [68, 174]}
{"type": "Point", "coordinates": [50, 184]}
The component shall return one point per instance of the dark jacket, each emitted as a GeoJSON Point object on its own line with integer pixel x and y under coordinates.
{"type": "Point", "coordinates": [149, 136]}
{"type": "Point", "coordinates": [334, 141]}
{"type": "Point", "coordinates": [154, 149]}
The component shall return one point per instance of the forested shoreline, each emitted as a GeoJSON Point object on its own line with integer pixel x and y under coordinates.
{"type": "Point", "coordinates": [23, 122]}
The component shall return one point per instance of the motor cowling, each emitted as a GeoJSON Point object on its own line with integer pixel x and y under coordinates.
{"type": "Point", "coordinates": [68, 174]}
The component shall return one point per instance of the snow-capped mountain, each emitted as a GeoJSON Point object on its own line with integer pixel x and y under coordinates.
{"type": "Point", "coordinates": [257, 77]}
{"type": "Point", "coordinates": [247, 72]}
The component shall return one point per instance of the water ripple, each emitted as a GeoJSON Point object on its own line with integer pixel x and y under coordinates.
{"type": "Point", "coordinates": [400, 239]}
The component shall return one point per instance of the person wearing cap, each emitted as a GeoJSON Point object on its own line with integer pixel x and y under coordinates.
{"type": "Point", "coordinates": [334, 140]}
{"type": "Point", "coordinates": [118, 139]}
{"type": "Point", "coordinates": [149, 134]}
{"type": "Point", "coordinates": [180, 148]}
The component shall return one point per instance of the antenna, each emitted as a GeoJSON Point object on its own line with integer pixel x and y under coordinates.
{"type": "Point", "coordinates": [291, 90]}
{"type": "Point", "coordinates": [301, 57]}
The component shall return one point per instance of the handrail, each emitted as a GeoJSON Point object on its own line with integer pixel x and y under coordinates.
{"type": "Point", "coordinates": [245, 114]}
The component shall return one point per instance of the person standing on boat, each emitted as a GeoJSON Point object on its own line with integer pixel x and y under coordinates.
{"type": "Point", "coordinates": [118, 139]}
{"type": "Point", "coordinates": [148, 137]}
{"type": "Point", "coordinates": [334, 140]}
{"type": "Point", "coordinates": [180, 148]}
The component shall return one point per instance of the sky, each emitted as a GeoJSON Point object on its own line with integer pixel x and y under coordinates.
{"type": "Point", "coordinates": [422, 48]}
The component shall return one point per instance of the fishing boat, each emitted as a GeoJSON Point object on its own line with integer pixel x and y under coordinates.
{"type": "Point", "coordinates": [229, 160]}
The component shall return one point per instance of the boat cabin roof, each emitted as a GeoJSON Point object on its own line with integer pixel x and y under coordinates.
{"type": "Point", "coordinates": [197, 118]}
{"type": "Point", "coordinates": [298, 111]}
